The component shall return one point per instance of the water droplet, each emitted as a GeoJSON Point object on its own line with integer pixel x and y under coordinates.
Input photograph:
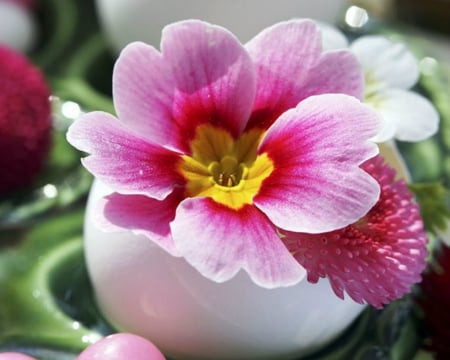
{"type": "Point", "coordinates": [356, 17]}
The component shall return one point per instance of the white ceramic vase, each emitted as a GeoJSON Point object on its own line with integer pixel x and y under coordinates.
{"type": "Point", "coordinates": [142, 289]}
{"type": "Point", "coordinates": [129, 20]}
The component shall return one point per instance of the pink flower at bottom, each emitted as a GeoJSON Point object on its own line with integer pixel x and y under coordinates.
{"type": "Point", "coordinates": [121, 346]}
{"type": "Point", "coordinates": [14, 356]}
{"type": "Point", "coordinates": [220, 145]}
{"type": "Point", "coordinates": [376, 259]}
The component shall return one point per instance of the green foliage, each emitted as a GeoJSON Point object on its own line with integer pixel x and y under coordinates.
{"type": "Point", "coordinates": [433, 199]}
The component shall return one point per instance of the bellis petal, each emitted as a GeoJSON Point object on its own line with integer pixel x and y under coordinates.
{"type": "Point", "coordinates": [219, 242]}
{"type": "Point", "coordinates": [317, 184]}
{"type": "Point", "coordinates": [123, 160]}
{"type": "Point", "coordinates": [376, 259]}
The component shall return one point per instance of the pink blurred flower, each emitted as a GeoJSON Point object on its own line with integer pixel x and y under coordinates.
{"type": "Point", "coordinates": [31, 4]}
{"type": "Point", "coordinates": [220, 145]}
{"type": "Point", "coordinates": [25, 120]}
{"type": "Point", "coordinates": [376, 259]}
{"type": "Point", "coordinates": [121, 346]}
{"type": "Point", "coordinates": [15, 356]}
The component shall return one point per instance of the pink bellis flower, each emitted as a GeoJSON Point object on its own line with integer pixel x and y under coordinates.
{"type": "Point", "coordinates": [221, 146]}
{"type": "Point", "coordinates": [376, 259]}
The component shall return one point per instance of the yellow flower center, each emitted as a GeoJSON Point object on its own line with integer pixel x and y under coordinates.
{"type": "Point", "coordinates": [228, 171]}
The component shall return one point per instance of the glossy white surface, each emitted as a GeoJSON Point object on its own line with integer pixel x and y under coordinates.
{"type": "Point", "coordinates": [142, 289]}
{"type": "Point", "coordinates": [129, 20]}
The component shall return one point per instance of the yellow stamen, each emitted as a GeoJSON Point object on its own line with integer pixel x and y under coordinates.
{"type": "Point", "coordinates": [226, 170]}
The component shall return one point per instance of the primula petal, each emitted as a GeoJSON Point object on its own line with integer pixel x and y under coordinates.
{"type": "Point", "coordinates": [413, 116]}
{"type": "Point", "coordinates": [140, 214]}
{"type": "Point", "coordinates": [219, 241]}
{"type": "Point", "coordinates": [290, 67]}
{"type": "Point", "coordinates": [386, 63]}
{"type": "Point", "coordinates": [203, 75]}
{"type": "Point", "coordinates": [316, 149]}
{"type": "Point", "coordinates": [375, 260]}
{"type": "Point", "coordinates": [121, 159]}
{"type": "Point", "coordinates": [143, 91]}
{"type": "Point", "coordinates": [214, 75]}
{"type": "Point", "coordinates": [336, 71]}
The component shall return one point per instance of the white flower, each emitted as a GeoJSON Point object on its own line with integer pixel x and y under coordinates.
{"type": "Point", "coordinates": [332, 37]}
{"type": "Point", "coordinates": [390, 71]}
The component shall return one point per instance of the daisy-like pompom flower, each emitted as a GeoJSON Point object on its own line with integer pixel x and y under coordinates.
{"type": "Point", "coordinates": [391, 70]}
{"type": "Point", "coordinates": [376, 259]}
{"type": "Point", "coordinates": [218, 145]}
{"type": "Point", "coordinates": [25, 122]}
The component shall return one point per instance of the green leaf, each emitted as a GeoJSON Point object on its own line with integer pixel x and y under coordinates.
{"type": "Point", "coordinates": [433, 199]}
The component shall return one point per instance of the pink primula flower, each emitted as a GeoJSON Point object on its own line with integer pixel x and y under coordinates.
{"type": "Point", "coordinates": [377, 259]}
{"type": "Point", "coordinates": [221, 146]}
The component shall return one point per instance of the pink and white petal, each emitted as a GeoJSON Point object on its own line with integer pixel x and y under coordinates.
{"type": "Point", "coordinates": [290, 68]}
{"type": "Point", "coordinates": [283, 54]}
{"type": "Point", "coordinates": [413, 116]}
{"type": "Point", "coordinates": [123, 160]}
{"type": "Point", "coordinates": [139, 214]}
{"type": "Point", "coordinates": [317, 148]}
{"type": "Point", "coordinates": [219, 241]}
{"type": "Point", "coordinates": [214, 77]}
{"type": "Point", "coordinates": [143, 92]}
{"type": "Point", "coordinates": [388, 63]}
{"type": "Point", "coordinates": [337, 71]}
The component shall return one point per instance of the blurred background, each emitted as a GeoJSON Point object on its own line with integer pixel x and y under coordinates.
{"type": "Point", "coordinates": [74, 44]}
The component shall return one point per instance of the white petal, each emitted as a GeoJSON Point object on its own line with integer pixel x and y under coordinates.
{"type": "Point", "coordinates": [387, 63]}
{"type": "Point", "coordinates": [332, 37]}
{"type": "Point", "coordinates": [387, 132]}
{"type": "Point", "coordinates": [414, 117]}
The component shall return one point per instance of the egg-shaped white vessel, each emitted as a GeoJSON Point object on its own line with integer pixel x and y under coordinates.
{"type": "Point", "coordinates": [142, 289]}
